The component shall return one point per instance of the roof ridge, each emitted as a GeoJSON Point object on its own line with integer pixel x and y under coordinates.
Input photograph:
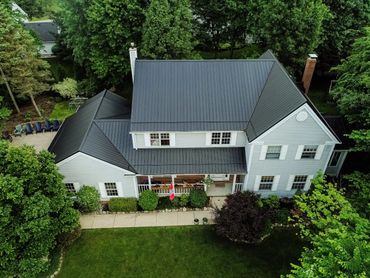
{"type": "Point", "coordinates": [92, 120]}
{"type": "Point", "coordinates": [259, 97]}
{"type": "Point", "coordinates": [208, 60]}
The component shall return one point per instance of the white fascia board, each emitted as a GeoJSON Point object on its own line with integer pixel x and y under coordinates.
{"type": "Point", "coordinates": [95, 159]}
{"type": "Point", "coordinates": [293, 114]}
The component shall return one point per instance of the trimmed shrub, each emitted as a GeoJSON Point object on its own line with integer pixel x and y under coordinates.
{"type": "Point", "coordinates": [66, 239]}
{"type": "Point", "coordinates": [198, 198]}
{"type": "Point", "coordinates": [271, 202]}
{"type": "Point", "coordinates": [148, 200]}
{"type": "Point", "coordinates": [243, 217]}
{"type": "Point", "coordinates": [122, 204]}
{"type": "Point", "coordinates": [88, 199]}
{"type": "Point", "coordinates": [184, 200]}
{"type": "Point", "coordinates": [166, 203]}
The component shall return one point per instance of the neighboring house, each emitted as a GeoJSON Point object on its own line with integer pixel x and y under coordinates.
{"type": "Point", "coordinates": [244, 123]}
{"type": "Point", "coordinates": [20, 11]}
{"type": "Point", "coordinates": [46, 31]}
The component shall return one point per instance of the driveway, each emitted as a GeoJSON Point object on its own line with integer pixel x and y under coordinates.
{"type": "Point", "coordinates": [40, 141]}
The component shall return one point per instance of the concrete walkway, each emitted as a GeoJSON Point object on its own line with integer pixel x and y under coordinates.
{"type": "Point", "coordinates": [147, 219]}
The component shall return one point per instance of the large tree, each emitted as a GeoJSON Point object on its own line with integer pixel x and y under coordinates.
{"type": "Point", "coordinates": [348, 17]}
{"type": "Point", "coordinates": [291, 29]}
{"type": "Point", "coordinates": [352, 90]}
{"type": "Point", "coordinates": [100, 33]}
{"type": "Point", "coordinates": [22, 70]}
{"type": "Point", "coordinates": [338, 234]}
{"type": "Point", "coordinates": [167, 31]}
{"type": "Point", "coordinates": [222, 23]}
{"type": "Point", "coordinates": [34, 210]}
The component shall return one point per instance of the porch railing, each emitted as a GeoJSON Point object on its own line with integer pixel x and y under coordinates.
{"type": "Point", "coordinates": [164, 190]}
{"type": "Point", "coordinates": [238, 187]}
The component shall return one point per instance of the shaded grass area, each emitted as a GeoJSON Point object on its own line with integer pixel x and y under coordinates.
{"type": "Point", "coordinates": [61, 110]}
{"type": "Point", "coordinates": [192, 251]}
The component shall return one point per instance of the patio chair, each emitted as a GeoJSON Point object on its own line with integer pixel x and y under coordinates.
{"type": "Point", "coordinates": [56, 125]}
{"type": "Point", "coordinates": [28, 129]}
{"type": "Point", "coordinates": [38, 127]}
{"type": "Point", "coordinates": [18, 130]}
{"type": "Point", "coordinates": [48, 126]}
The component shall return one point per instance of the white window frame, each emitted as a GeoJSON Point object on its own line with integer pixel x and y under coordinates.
{"type": "Point", "coordinates": [68, 189]}
{"type": "Point", "coordinates": [222, 137]}
{"type": "Point", "coordinates": [161, 137]}
{"type": "Point", "coordinates": [299, 183]}
{"type": "Point", "coordinates": [282, 155]}
{"type": "Point", "coordinates": [317, 155]}
{"type": "Point", "coordinates": [106, 190]}
{"type": "Point", "coordinates": [266, 183]}
{"type": "Point", "coordinates": [291, 181]}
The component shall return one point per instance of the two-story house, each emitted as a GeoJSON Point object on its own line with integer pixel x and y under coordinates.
{"type": "Point", "coordinates": [243, 123]}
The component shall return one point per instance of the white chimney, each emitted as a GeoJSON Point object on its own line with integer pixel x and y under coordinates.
{"type": "Point", "coordinates": [133, 57]}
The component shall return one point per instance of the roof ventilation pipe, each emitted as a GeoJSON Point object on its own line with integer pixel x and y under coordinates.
{"type": "Point", "coordinates": [133, 57]}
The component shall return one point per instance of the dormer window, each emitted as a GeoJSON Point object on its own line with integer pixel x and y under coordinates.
{"type": "Point", "coordinates": [159, 139]}
{"type": "Point", "coordinates": [221, 138]}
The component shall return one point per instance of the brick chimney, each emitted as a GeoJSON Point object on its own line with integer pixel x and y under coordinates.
{"type": "Point", "coordinates": [308, 72]}
{"type": "Point", "coordinates": [133, 57]}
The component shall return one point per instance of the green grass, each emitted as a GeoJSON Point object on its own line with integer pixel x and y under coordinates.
{"type": "Point", "coordinates": [192, 251]}
{"type": "Point", "coordinates": [61, 111]}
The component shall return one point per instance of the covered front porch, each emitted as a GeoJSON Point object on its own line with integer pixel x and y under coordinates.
{"type": "Point", "coordinates": [223, 184]}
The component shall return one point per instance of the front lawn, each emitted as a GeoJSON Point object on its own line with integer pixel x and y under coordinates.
{"type": "Point", "coordinates": [190, 251]}
{"type": "Point", "coordinates": [61, 111]}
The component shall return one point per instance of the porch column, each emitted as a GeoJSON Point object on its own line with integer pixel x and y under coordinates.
{"type": "Point", "coordinates": [205, 186]}
{"type": "Point", "coordinates": [234, 180]}
{"type": "Point", "coordinates": [150, 182]}
{"type": "Point", "coordinates": [173, 183]}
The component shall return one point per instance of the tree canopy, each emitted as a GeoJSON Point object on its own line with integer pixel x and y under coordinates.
{"type": "Point", "coordinates": [348, 17]}
{"type": "Point", "coordinates": [290, 29]}
{"type": "Point", "coordinates": [100, 33]}
{"type": "Point", "coordinates": [338, 234]}
{"type": "Point", "coordinates": [167, 31]}
{"type": "Point", "coordinates": [34, 208]}
{"type": "Point", "coordinates": [27, 74]}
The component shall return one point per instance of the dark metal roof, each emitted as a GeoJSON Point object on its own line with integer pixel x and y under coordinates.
{"type": "Point", "coordinates": [338, 125]}
{"type": "Point", "coordinates": [79, 133]}
{"type": "Point", "coordinates": [45, 30]}
{"type": "Point", "coordinates": [100, 129]}
{"type": "Point", "coordinates": [173, 160]}
{"type": "Point", "coordinates": [207, 95]}
{"type": "Point", "coordinates": [196, 95]}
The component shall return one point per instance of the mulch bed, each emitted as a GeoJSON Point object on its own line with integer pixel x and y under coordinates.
{"type": "Point", "coordinates": [45, 103]}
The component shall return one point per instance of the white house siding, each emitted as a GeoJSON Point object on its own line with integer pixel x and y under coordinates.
{"type": "Point", "coordinates": [46, 49]}
{"type": "Point", "coordinates": [192, 140]}
{"type": "Point", "coordinates": [86, 170]}
{"type": "Point", "coordinates": [291, 133]}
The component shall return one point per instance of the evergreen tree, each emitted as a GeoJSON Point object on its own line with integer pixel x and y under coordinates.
{"type": "Point", "coordinates": [25, 72]}
{"type": "Point", "coordinates": [167, 31]}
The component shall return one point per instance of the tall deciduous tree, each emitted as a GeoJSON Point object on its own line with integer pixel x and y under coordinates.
{"type": "Point", "coordinates": [291, 29]}
{"type": "Point", "coordinates": [167, 31]}
{"type": "Point", "coordinates": [339, 236]}
{"type": "Point", "coordinates": [26, 73]}
{"type": "Point", "coordinates": [100, 33]}
{"type": "Point", "coordinates": [352, 90]}
{"type": "Point", "coordinates": [348, 17]}
{"type": "Point", "coordinates": [35, 210]}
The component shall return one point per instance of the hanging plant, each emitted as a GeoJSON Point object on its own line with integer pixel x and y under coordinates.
{"type": "Point", "coordinates": [208, 181]}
